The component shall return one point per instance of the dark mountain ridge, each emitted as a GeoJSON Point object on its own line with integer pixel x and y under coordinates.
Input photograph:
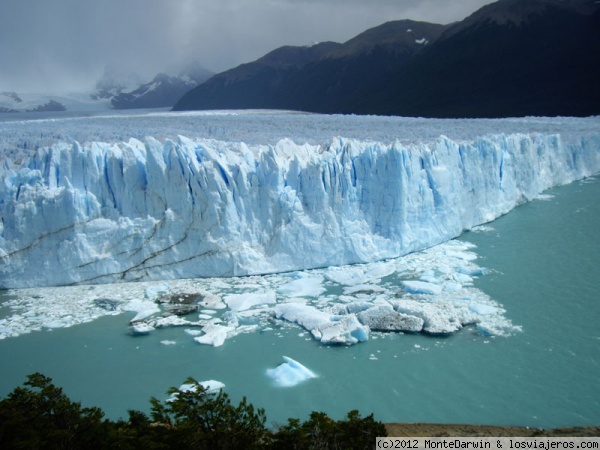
{"type": "Point", "coordinates": [314, 78]}
{"type": "Point", "coordinates": [510, 58]}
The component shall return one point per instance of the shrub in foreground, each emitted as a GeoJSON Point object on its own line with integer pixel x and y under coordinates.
{"type": "Point", "coordinates": [40, 416]}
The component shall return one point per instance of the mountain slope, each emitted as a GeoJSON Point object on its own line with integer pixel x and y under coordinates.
{"type": "Point", "coordinates": [163, 91]}
{"type": "Point", "coordinates": [510, 58]}
{"type": "Point", "coordinates": [315, 78]}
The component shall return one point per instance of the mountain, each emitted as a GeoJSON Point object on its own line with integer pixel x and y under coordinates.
{"type": "Point", "coordinates": [318, 77]}
{"type": "Point", "coordinates": [163, 91]}
{"type": "Point", "coordinates": [18, 103]}
{"type": "Point", "coordinates": [114, 81]}
{"type": "Point", "coordinates": [510, 58]}
{"type": "Point", "coordinates": [128, 91]}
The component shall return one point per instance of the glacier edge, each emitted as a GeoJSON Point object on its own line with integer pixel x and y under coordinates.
{"type": "Point", "coordinates": [102, 212]}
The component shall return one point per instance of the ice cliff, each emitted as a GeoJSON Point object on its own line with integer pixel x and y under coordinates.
{"type": "Point", "coordinates": [101, 212]}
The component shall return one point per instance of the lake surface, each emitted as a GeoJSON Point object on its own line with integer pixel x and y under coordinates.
{"type": "Point", "coordinates": [545, 271]}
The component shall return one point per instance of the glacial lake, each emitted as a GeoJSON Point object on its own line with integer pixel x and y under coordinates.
{"type": "Point", "coordinates": [544, 268]}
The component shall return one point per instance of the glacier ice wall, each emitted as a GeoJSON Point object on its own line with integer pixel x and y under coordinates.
{"type": "Point", "coordinates": [105, 212]}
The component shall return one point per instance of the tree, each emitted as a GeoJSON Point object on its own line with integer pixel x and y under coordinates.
{"type": "Point", "coordinates": [322, 432]}
{"type": "Point", "coordinates": [40, 415]}
{"type": "Point", "coordinates": [197, 418]}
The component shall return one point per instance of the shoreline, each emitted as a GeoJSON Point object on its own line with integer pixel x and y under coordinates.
{"type": "Point", "coordinates": [398, 429]}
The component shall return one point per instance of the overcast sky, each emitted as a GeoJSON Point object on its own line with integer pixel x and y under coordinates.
{"type": "Point", "coordinates": [53, 46]}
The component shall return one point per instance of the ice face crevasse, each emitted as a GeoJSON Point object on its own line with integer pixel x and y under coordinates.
{"type": "Point", "coordinates": [100, 212]}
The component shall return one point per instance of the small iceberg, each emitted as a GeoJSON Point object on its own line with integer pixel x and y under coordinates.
{"type": "Point", "coordinates": [210, 387]}
{"type": "Point", "coordinates": [141, 329]}
{"type": "Point", "coordinates": [290, 373]}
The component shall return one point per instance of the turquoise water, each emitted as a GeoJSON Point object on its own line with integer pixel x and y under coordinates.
{"type": "Point", "coordinates": [545, 271]}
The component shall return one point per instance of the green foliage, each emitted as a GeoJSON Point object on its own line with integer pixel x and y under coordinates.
{"type": "Point", "coordinates": [196, 418]}
{"type": "Point", "coordinates": [40, 416]}
{"type": "Point", "coordinates": [321, 432]}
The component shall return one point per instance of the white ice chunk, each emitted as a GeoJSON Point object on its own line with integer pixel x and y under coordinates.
{"type": "Point", "coordinates": [363, 289]}
{"type": "Point", "coordinates": [290, 373]}
{"type": "Point", "coordinates": [193, 332]}
{"type": "Point", "coordinates": [482, 309]}
{"type": "Point", "coordinates": [305, 286]}
{"type": "Point", "coordinates": [384, 318]}
{"type": "Point", "coordinates": [421, 287]}
{"type": "Point", "coordinates": [154, 292]}
{"type": "Point", "coordinates": [472, 270]}
{"type": "Point", "coordinates": [210, 387]}
{"type": "Point", "coordinates": [171, 321]}
{"type": "Point", "coordinates": [329, 329]}
{"type": "Point", "coordinates": [452, 287]}
{"type": "Point", "coordinates": [144, 309]}
{"type": "Point", "coordinates": [213, 301]}
{"type": "Point", "coordinates": [242, 302]}
{"type": "Point", "coordinates": [438, 318]}
{"type": "Point", "coordinates": [214, 335]}
{"type": "Point", "coordinates": [141, 329]}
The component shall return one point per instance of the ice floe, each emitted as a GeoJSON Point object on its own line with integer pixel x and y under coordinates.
{"type": "Point", "coordinates": [210, 387]}
{"type": "Point", "coordinates": [430, 291]}
{"type": "Point", "coordinates": [243, 302]}
{"type": "Point", "coordinates": [327, 328]}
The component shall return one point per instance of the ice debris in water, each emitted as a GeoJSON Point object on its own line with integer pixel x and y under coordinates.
{"type": "Point", "coordinates": [290, 373]}
{"type": "Point", "coordinates": [210, 387]}
{"type": "Point", "coordinates": [430, 291]}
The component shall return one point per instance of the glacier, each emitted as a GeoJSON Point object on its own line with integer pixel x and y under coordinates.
{"type": "Point", "coordinates": [92, 212]}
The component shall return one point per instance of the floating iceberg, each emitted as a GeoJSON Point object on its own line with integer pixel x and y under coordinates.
{"type": "Point", "coordinates": [421, 287]}
{"type": "Point", "coordinates": [243, 302]}
{"type": "Point", "coordinates": [210, 387]}
{"type": "Point", "coordinates": [214, 335]}
{"type": "Point", "coordinates": [290, 373]}
{"type": "Point", "coordinates": [327, 328]}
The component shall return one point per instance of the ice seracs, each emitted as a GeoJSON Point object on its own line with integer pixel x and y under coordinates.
{"type": "Point", "coordinates": [103, 212]}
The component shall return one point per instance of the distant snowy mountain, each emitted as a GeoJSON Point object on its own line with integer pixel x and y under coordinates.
{"type": "Point", "coordinates": [510, 58]}
{"type": "Point", "coordinates": [162, 91]}
{"type": "Point", "coordinates": [114, 90]}
{"type": "Point", "coordinates": [12, 102]}
{"type": "Point", "coordinates": [114, 81]}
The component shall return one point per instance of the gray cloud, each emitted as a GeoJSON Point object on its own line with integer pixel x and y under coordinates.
{"type": "Point", "coordinates": [63, 45]}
